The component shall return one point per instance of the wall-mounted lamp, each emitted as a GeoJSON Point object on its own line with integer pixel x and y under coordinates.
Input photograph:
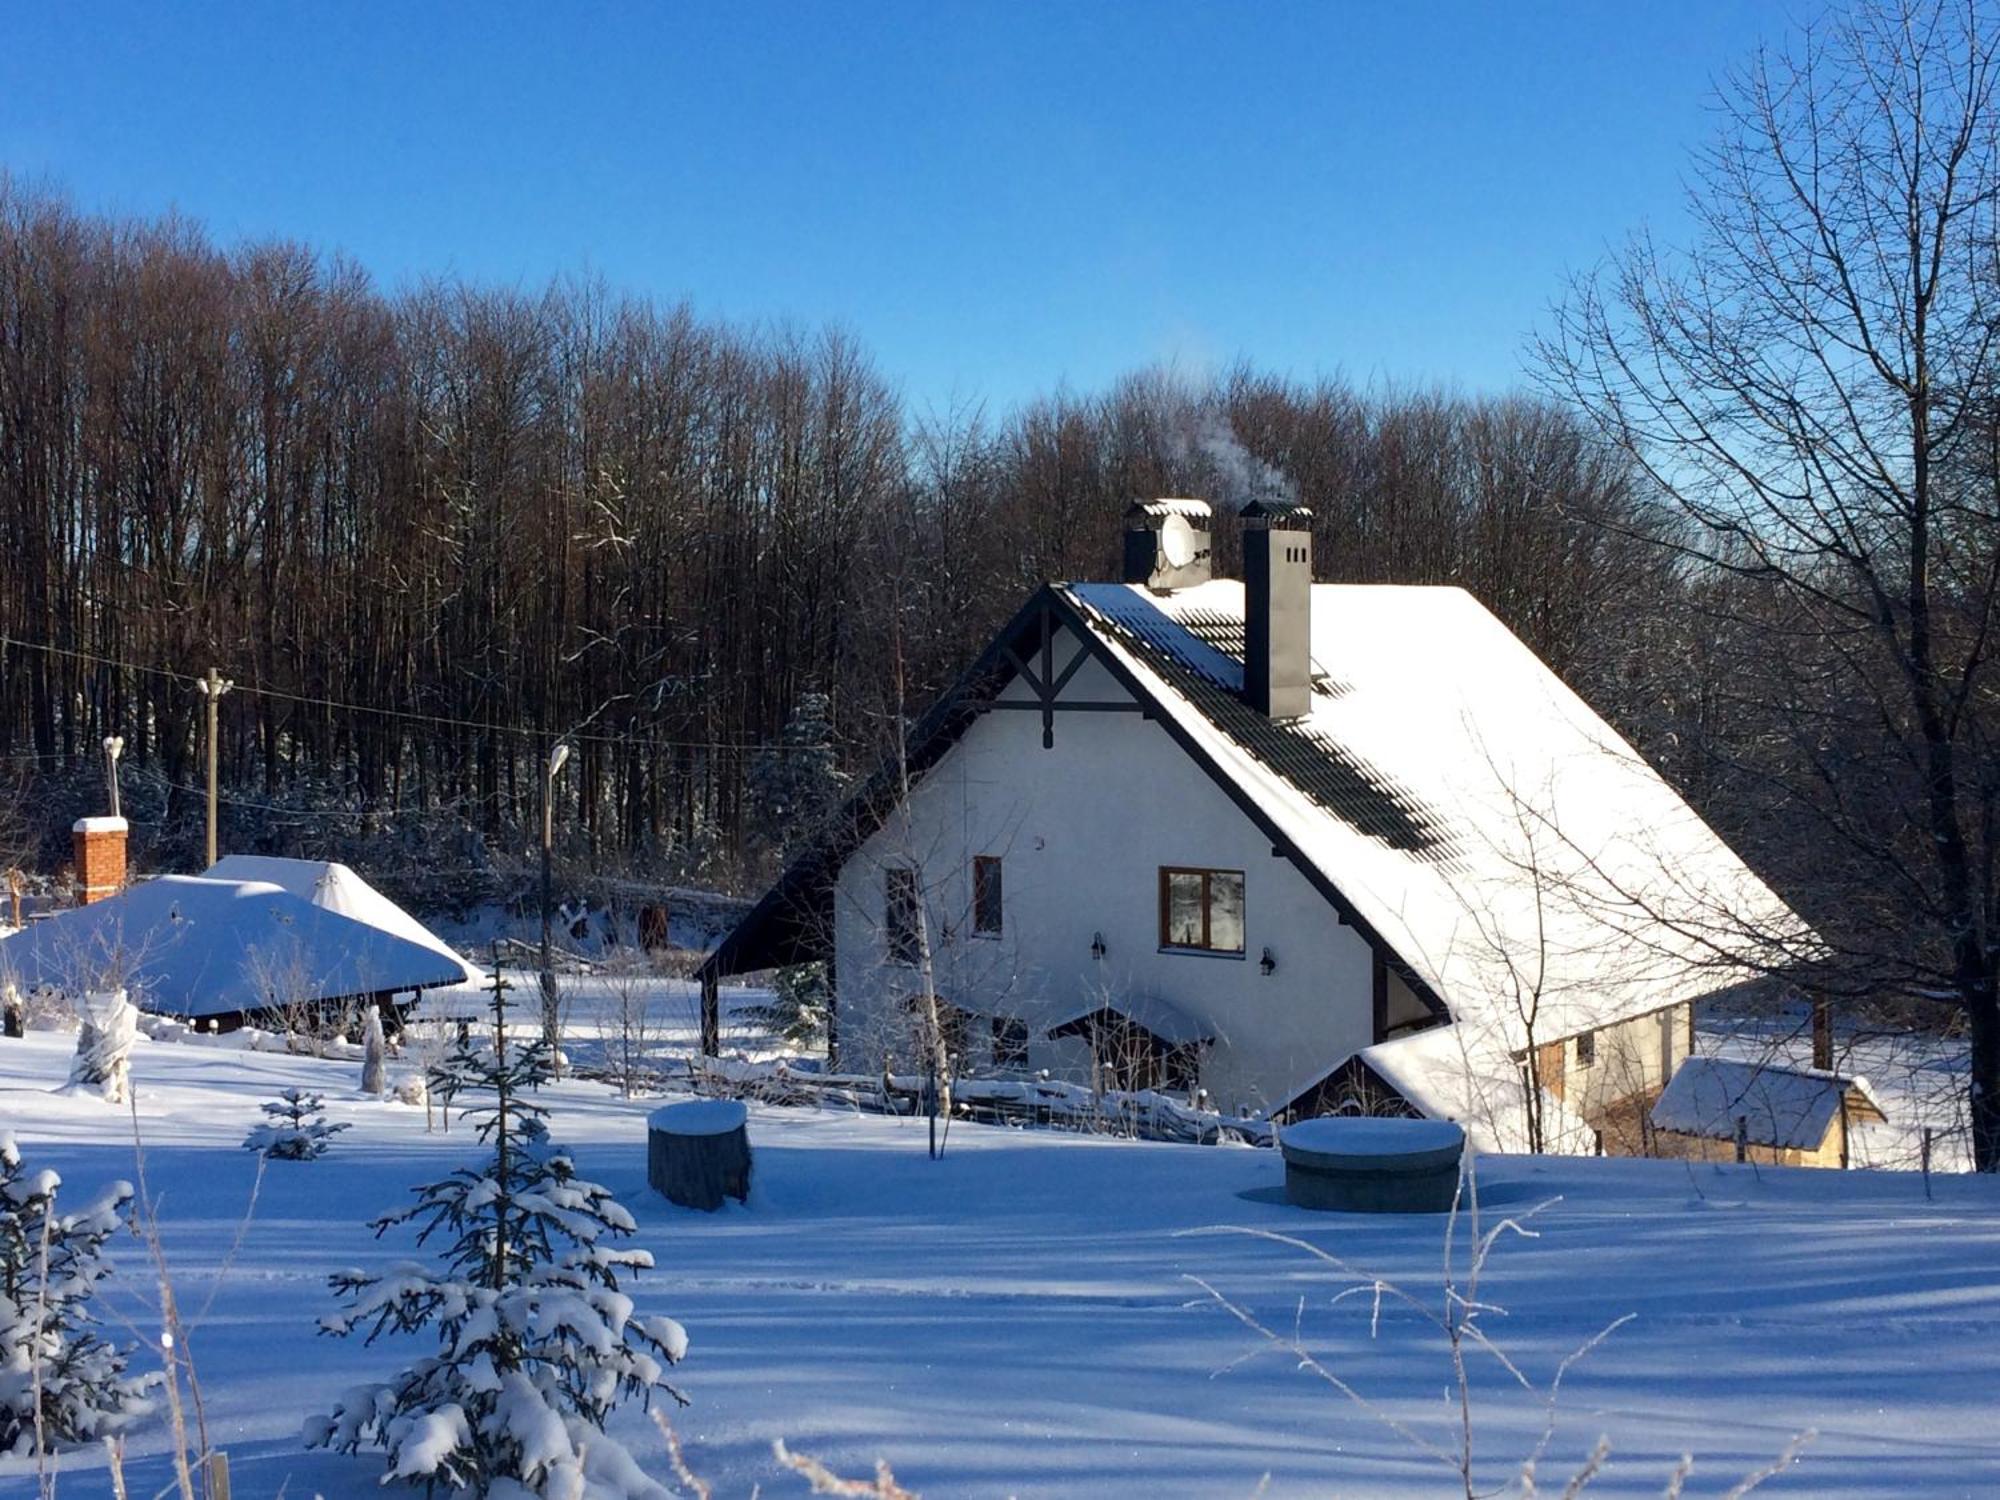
{"type": "Point", "coordinates": [1097, 946]}
{"type": "Point", "coordinates": [1267, 965]}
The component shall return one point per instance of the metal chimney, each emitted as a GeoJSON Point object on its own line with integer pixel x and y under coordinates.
{"type": "Point", "coordinates": [1277, 608]}
{"type": "Point", "coordinates": [1167, 544]}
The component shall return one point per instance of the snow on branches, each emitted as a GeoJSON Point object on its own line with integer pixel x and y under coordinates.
{"type": "Point", "coordinates": [110, 1024]}
{"type": "Point", "coordinates": [297, 1129]}
{"type": "Point", "coordinates": [536, 1344]}
{"type": "Point", "coordinates": [60, 1383]}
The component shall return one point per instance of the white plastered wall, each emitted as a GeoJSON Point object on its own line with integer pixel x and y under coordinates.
{"type": "Point", "coordinates": [1082, 831]}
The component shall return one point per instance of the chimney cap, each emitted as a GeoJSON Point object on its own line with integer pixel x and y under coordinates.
{"type": "Point", "coordinates": [100, 825]}
{"type": "Point", "coordinates": [1275, 508]}
{"type": "Point", "coordinates": [1169, 505]}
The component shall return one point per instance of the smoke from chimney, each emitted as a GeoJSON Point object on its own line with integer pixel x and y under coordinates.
{"type": "Point", "coordinates": [1242, 478]}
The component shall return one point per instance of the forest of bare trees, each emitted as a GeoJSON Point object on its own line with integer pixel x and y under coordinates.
{"type": "Point", "coordinates": [428, 532]}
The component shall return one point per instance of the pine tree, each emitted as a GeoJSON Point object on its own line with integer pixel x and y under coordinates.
{"type": "Point", "coordinates": [297, 1129]}
{"type": "Point", "coordinates": [60, 1383]}
{"type": "Point", "coordinates": [536, 1344]}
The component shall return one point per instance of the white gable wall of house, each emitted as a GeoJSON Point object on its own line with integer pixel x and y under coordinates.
{"type": "Point", "coordinates": [1082, 831]}
{"type": "Point", "coordinates": [1625, 1058]}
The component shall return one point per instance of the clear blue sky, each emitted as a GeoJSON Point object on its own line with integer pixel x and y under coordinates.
{"type": "Point", "coordinates": [995, 197]}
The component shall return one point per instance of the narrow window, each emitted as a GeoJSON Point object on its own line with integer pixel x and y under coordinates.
{"type": "Point", "coordinates": [986, 905]}
{"type": "Point", "coordinates": [1586, 1048]}
{"type": "Point", "coordinates": [1010, 1042]}
{"type": "Point", "coordinates": [1201, 909]}
{"type": "Point", "coordinates": [899, 915]}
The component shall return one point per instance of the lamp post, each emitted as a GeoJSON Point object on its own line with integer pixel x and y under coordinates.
{"type": "Point", "coordinates": [551, 1014]}
{"type": "Point", "coordinates": [114, 746]}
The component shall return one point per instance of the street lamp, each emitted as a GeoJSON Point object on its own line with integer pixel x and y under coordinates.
{"type": "Point", "coordinates": [551, 1015]}
{"type": "Point", "coordinates": [114, 746]}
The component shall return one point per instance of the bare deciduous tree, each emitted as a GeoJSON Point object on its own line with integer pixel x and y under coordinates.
{"type": "Point", "coordinates": [1811, 385]}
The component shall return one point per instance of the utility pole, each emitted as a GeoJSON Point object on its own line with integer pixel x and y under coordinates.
{"type": "Point", "coordinates": [551, 1010]}
{"type": "Point", "coordinates": [212, 688]}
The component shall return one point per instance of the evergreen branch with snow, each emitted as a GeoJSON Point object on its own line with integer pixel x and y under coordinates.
{"type": "Point", "coordinates": [60, 1382]}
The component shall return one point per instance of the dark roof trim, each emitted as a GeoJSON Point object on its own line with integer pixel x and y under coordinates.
{"type": "Point", "coordinates": [803, 892]}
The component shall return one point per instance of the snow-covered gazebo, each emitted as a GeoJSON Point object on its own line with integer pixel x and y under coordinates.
{"type": "Point", "coordinates": [225, 951]}
{"type": "Point", "coordinates": [336, 887]}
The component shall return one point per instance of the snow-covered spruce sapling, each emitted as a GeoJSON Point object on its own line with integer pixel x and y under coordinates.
{"type": "Point", "coordinates": [536, 1345]}
{"type": "Point", "coordinates": [453, 1071]}
{"type": "Point", "coordinates": [801, 997]}
{"type": "Point", "coordinates": [297, 1129]}
{"type": "Point", "coordinates": [60, 1383]}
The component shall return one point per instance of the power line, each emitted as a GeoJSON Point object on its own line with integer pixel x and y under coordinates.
{"type": "Point", "coordinates": [528, 732]}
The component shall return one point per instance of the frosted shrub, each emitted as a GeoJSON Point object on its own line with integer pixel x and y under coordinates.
{"type": "Point", "coordinates": [536, 1345]}
{"type": "Point", "coordinates": [374, 1055]}
{"type": "Point", "coordinates": [104, 1044]}
{"type": "Point", "coordinates": [60, 1383]}
{"type": "Point", "coordinates": [297, 1129]}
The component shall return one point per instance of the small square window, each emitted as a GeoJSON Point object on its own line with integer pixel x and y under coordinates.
{"type": "Point", "coordinates": [1586, 1048]}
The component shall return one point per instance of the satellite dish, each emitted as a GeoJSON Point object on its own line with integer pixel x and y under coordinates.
{"type": "Point", "coordinates": [1177, 541]}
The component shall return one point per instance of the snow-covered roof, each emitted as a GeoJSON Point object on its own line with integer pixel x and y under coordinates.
{"type": "Point", "coordinates": [1173, 505]}
{"type": "Point", "coordinates": [1168, 1022]}
{"type": "Point", "coordinates": [1495, 833]}
{"type": "Point", "coordinates": [1781, 1105]}
{"type": "Point", "coordinates": [335, 887]}
{"type": "Point", "coordinates": [187, 945]}
{"type": "Point", "coordinates": [1467, 1073]}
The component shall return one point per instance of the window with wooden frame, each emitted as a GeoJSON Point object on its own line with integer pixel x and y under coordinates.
{"type": "Point", "coordinates": [987, 913]}
{"type": "Point", "coordinates": [899, 915]}
{"type": "Point", "coordinates": [1201, 910]}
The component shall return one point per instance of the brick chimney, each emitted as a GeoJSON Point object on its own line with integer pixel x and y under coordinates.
{"type": "Point", "coordinates": [100, 857]}
{"type": "Point", "coordinates": [1277, 608]}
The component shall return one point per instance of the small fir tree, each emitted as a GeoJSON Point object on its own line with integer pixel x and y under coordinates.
{"type": "Point", "coordinates": [794, 784]}
{"type": "Point", "coordinates": [536, 1345]}
{"type": "Point", "coordinates": [60, 1383]}
{"type": "Point", "coordinates": [452, 1072]}
{"type": "Point", "coordinates": [800, 995]}
{"type": "Point", "coordinates": [297, 1129]}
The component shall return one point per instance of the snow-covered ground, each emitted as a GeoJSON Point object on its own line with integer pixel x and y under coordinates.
{"type": "Point", "coordinates": [1020, 1319]}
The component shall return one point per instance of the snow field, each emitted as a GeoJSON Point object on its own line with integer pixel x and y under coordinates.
{"type": "Point", "coordinates": [1018, 1318]}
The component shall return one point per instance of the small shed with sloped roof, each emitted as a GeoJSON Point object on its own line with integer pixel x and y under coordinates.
{"type": "Point", "coordinates": [1782, 1114]}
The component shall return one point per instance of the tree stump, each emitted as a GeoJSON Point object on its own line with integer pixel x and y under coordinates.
{"type": "Point", "coordinates": [698, 1153]}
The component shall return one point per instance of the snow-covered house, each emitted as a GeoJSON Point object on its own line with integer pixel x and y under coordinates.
{"type": "Point", "coordinates": [1781, 1114]}
{"type": "Point", "coordinates": [1302, 846]}
{"type": "Point", "coordinates": [220, 951]}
